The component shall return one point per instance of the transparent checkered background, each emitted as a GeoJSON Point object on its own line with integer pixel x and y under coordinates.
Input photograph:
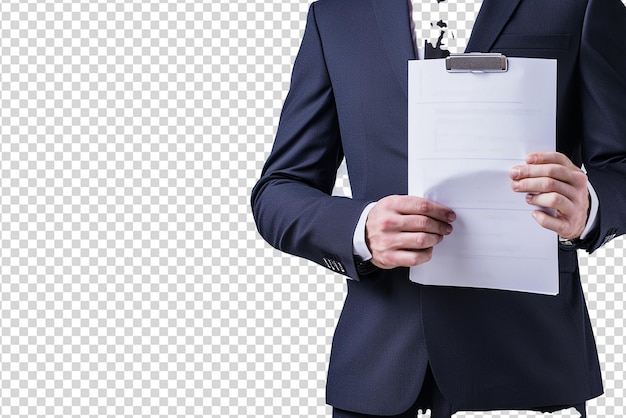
{"type": "Point", "coordinates": [132, 280]}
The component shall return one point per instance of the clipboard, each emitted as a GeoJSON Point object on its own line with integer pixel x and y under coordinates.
{"type": "Point", "coordinates": [471, 118]}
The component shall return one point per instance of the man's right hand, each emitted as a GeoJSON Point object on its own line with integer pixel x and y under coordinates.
{"type": "Point", "coordinates": [401, 231]}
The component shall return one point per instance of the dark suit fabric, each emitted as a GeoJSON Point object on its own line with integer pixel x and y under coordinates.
{"type": "Point", "coordinates": [348, 99]}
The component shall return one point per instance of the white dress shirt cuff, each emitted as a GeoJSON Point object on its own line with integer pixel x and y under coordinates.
{"type": "Point", "coordinates": [593, 211]}
{"type": "Point", "coordinates": [359, 246]}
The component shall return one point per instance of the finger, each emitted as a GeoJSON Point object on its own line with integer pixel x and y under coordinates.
{"type": "Point", "coordinates": [572, 176]}
{"type": "Point", "coordinates": [549, 222]}
{"type": "Point", "coordinates": [413, 205]}
{"type": "Point", "coordinates": [417, 241]}
{"type": "Point", "coordinates": [541, 170]}
{"type": "Point", "coordinates": [556, 201]}
{"type": "Point", "coordinates": [421, 223]}
{"type": "Point", "coordinates": [414, 258]}
{"type": "Point", "coordinates": [404, 258]}
{"type": "Point", "coordinates": [544, 185]}
{"type": "Point", "coordinates": [404, 241]}
{"type": "Point", "coordinates": [549, 158]}
{"type": "Point", "coordinates": [561, 225]}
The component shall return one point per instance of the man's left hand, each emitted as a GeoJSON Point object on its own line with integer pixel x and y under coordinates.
{"type": "Point", "coordinates": [552, 181]}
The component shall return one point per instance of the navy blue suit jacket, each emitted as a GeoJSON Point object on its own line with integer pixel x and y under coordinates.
{"type": "Point", "coordinates": [348, 99]}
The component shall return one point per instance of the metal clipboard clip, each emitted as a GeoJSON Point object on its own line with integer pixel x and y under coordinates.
{"type": "Point", "coordinates": [476, 62]}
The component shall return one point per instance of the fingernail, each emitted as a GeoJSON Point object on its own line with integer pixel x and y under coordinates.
{"type": "Point", "coordinates": [515, 172]}
{"type": "Point", "coordinates": [448, 229]}
{"type": "Point", "coordinates": [451, 217]}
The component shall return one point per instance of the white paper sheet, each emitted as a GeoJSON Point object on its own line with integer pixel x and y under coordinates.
{"type": "Point", "coordinates": [466, 131]}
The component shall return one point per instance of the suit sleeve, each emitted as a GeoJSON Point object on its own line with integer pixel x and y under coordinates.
{"type": "Point", "coordinates": [292, 203]}
{"type": "Point", "coordinates": [603, 100]}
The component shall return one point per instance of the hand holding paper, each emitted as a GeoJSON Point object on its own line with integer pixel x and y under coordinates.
{"type": "Point", "coordinates": [402, 230]}
{"type": "Point", "coordinates": [552, 181]}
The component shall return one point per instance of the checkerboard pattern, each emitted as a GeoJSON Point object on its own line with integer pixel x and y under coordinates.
{"type": "Point", "coordinates": [132, 280]}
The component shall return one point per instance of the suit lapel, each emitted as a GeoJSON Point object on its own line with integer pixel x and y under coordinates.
{"type": "Point", "coordinates": [493, 15]}
{"type": "Point", "coordinates": [392, 17]}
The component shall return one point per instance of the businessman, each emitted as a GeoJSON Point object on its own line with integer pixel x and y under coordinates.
{"type": "Point", "coordinates": [400, 347]}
